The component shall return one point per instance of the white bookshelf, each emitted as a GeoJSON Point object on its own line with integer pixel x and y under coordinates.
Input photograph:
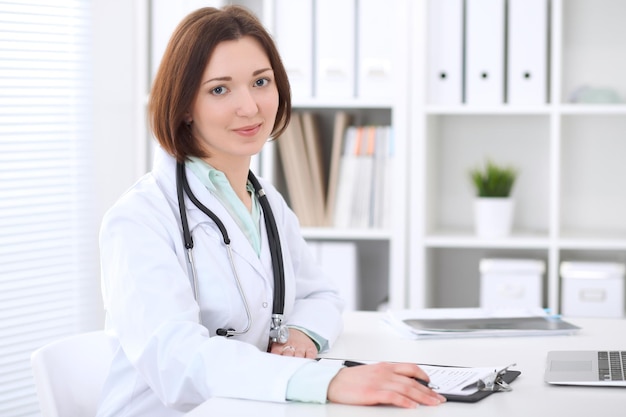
{"type": "Point", "coordinates": [569, 196]}
{"type": "Point", "coordinates": [381, 252]}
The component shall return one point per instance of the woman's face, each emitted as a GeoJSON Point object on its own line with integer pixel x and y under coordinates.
{"type": "Point", "coordinates": [235, 108]}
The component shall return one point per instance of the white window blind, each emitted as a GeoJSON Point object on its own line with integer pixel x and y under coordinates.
{"type": "Point", "coordinates": [48, 241]}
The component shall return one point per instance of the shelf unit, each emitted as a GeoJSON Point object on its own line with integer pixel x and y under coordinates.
{"type": "Point", "coordinates": [381, 252]}
{"type": "Point", "coordinates": [569, 195]}
{"type": "Point", "coordinates": [569, 198]}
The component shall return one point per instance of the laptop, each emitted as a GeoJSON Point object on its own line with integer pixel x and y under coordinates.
{"type": "Point", "coordinates": [598, 368]}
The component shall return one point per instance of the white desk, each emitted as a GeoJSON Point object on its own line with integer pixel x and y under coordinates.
{"type": "Point", "coordinates": [366, 337]}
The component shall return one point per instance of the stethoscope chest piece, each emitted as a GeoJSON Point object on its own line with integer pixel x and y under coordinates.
{"type": "Point", "coordinates": [279, 333]}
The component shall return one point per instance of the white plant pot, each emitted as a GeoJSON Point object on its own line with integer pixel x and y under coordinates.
{"type": "Point", "coordinates": [493, 216]}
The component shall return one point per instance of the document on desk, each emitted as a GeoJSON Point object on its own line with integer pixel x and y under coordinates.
{"type": "Point", "coordinates": [451, 380]}
{"type": "Point", "coordinates": [476, 322]}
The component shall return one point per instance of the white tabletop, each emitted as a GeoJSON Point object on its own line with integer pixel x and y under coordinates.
{"type": "Point", "coordinates": [366, 337]}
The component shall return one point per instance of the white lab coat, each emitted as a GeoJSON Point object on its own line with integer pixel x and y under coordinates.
{"type": "Point", "coordinates": [165, 361]}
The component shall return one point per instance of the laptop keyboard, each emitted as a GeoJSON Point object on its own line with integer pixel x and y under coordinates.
{"type": "Point", "coordinates": [612, 365]}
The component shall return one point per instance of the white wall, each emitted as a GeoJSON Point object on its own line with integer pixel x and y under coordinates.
{"type": "Point", "coordinates": [120, 74]}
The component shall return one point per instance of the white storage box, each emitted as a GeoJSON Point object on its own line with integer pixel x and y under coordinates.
{"type": "Point", "coordinates": [592, 289]}
{"type": "Point", "coordinates": [511, 283]}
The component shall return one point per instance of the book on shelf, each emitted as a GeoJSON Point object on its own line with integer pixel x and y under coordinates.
{"type": "Point", "coordinates": [341, 122]}
{"type": "Point", "coordinates": [293, 158]}
{"type": "Point", "coordinates": [348, 183]}
{"type": "Point", "coordinates": [357, 191]}
{"type": "Point", "coordinates": [312, 140]}
{"type": "Point", "coordinates": [300, 152]}
{"type": "Point", "coordinates": [363, 183]}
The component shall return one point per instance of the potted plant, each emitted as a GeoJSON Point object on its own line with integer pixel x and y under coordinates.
{"type": "Point", "coordinates": [493, 207]}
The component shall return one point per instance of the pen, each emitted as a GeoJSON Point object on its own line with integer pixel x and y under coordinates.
{"type": "Point", "coordinates": [419, 380]}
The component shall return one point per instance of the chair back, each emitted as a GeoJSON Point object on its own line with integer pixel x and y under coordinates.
{"type": "Point", "coordinates": [69, 374]}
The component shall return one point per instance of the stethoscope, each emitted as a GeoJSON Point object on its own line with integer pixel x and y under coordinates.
{"type": "Point", "coordinates": [278, 330]}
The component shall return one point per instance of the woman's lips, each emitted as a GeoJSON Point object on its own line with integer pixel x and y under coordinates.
{"type": "Point", "coordinates": [248, 130]}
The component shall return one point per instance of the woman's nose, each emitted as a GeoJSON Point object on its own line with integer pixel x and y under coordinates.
{"type": "Point", "coordinates": [246, 104]}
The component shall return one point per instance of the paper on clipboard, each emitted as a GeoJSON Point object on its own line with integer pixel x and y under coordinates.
{"type": "Point", "coordinates": [459, 380]}
{"type": "Point", "coordinates": [476, 322]}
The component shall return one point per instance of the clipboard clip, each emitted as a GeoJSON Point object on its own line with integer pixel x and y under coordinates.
{"type": "Point", "coordinates": [495, 381]}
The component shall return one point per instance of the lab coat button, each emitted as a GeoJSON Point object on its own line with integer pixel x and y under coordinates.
{"type": "Point", "coordinates": [264, 304]}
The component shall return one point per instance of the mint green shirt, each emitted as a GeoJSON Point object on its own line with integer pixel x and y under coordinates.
{"type": "Point", "coordinates": [217, 183]}
{"type": "Point", "coordinates": [310, 382]}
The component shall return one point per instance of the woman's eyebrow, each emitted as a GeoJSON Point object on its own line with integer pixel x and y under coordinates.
{"type": "Point", "coordinates": [260, 71]}
{"type": "Point", "coordinates": [227, 78]}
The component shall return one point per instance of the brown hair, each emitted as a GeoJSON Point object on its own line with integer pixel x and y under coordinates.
{"type": "Point", "coordinates": [178, 79]}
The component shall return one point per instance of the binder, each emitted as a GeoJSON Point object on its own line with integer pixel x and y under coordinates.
{"type": "Point", "coordinates": [335, 48]}
{"type": "Point", "coordinates": [375, 56]}
{"type": "Point", "coordinates": [445, 52]}
{"type": "Point", "coordinates": [484, 48]}
{"type": "Point", "coordinates": [293, 32]}
{"type": "Point", "coordinates": [527, 71]}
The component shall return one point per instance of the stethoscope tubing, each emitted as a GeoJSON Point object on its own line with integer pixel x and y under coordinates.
{"type": "Point", "coordinates": [275, 247]}
{"type": "Point", "coordinates": [182, 189]}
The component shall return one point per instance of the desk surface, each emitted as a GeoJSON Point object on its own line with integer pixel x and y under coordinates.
{"type": "Point", "coordinates": [366, 337]}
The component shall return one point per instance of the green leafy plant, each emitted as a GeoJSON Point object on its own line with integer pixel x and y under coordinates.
{"type": "Point", "coordinates": [493, 180]}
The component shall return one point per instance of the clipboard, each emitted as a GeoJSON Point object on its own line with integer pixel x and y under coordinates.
{"type": "Point", "coordinates": [497, 380]}
{"type": "Point", "coordinates": [508, 377]}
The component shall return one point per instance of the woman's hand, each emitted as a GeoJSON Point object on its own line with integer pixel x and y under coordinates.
{"type": "Point", "coordinates": [382, 383]}
{"type": "Point", "coordinates": [298, 344]}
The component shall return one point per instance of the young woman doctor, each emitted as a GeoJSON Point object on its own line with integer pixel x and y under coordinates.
{"type": "Point", "coordinates": [189, 323]}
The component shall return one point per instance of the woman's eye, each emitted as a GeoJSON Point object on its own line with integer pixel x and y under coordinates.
{"type": "Point", "coordinates": [218, 91]}
{"type": "Point", "coordinates": [261, 82]}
